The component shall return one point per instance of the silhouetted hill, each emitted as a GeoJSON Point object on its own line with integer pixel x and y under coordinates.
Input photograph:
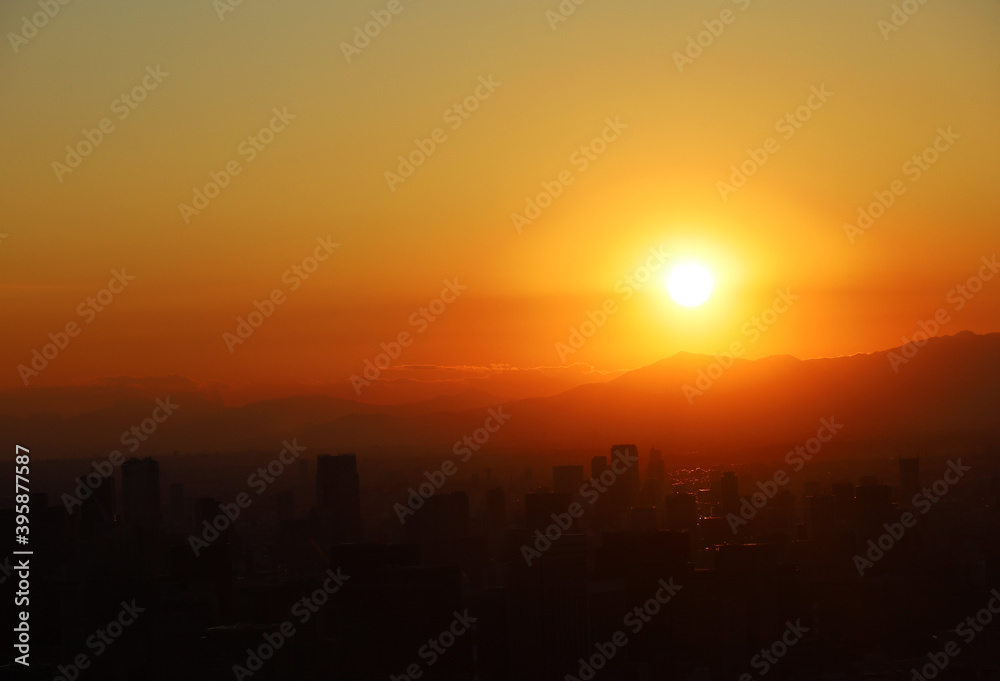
{"type": "Point", "coordinates": [951, 385]}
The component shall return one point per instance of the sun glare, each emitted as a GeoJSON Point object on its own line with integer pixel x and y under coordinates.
{"type": "Point", "coordinates": [689, 284]}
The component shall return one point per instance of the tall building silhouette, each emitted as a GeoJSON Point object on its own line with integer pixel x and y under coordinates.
{"type": "Point", "coordinates": [338, 492]}
{"type": "Point", "coordinates": [652, 490]}
{"type": "Point", "coordinates": [141, 493]}
{"type": "Point", "coordinates": [97, 514]}
{"type": "Point", "coordinates": [680, 511]}
{"type": "Point", "coordinates": [496, 510]}
{"type": "Point", "coordinates": [730, 492]}
{"type": "Point", "coordinates": [540, 506]}
{"type": "Point", "coordinates": [627, 488]}
{"type": "Point", "coordinates": [177, 516]}
{"type": "Point", "coordinates": [598, 464]}
{"type": "Point", "coordinates": [567, 479]}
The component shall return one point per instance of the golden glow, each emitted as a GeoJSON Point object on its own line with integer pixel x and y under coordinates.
{"type": "Point", "coordinates": [655, 186]}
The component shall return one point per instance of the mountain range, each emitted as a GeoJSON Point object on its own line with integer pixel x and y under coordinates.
{"type": "Point", "coordinates": [947, 388]}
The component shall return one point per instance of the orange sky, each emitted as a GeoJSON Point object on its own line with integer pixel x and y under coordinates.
{"type": "Point", "coordinates": [539, 94]}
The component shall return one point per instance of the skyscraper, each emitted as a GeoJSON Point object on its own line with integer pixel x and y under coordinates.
{"type": "Point", "coordinates": [652, 489]}
{"type": "Point", "coordinates": [681, 511]}
{"type": "Point", "coordinates": [338, 491]}
{"type": "Point", "coordinates": [730, 493]}
{"type": "Point", "coordinates": [496, 510]}
{"type": "Point", "coordinates": [97, 514]}
{"type": "Point", "coordinates": [628, 483]}
{"type": "Point", "coordinates": [567, 479]}
{"type": "Point", "coordinates": [597, 465]}
{"type": "Point", "coordinates": [177, 516]}
{"type": "Point", "coordinates": [141, 493]}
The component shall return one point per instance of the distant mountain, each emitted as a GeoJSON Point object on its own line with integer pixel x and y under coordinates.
{"type": "Point", "coordinates": [950, 386]}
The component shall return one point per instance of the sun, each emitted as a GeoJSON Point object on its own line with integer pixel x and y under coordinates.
{"type": "Point", "coordinates": [689, 284]}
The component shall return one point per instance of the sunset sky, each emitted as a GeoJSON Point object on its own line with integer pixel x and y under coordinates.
{"type": "Point", "coordinates": [676, 130]}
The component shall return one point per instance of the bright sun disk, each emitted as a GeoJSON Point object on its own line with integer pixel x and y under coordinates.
{"type": "Point", "coordinates": [689, 284]}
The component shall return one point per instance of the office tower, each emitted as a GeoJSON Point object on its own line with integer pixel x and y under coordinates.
{"type": "Point", "coordinates": [643, 555]}
{"type": "Point", "coordinates": [643, 519]}
{"type": "Point", "coordinates": [602, 514]}
{"type": "Point", "coordinates": [177, 505]}
{"type": "Point", "coordinates": [909, 477]}
{"type": "Point", "coordinates": [653, 487]}
{"type": "Point", "coordinates": [842, 489]}
{"type": "Point", "coordinates": [821, 516]}
{"type": "Point", "coordinates": [626, 489]}
{"type": "Point", "coordinates": [444, 517]}
{"type": "Point", "coordinates": [873, 507]}
{"type": "Point", "coordinates": [496, 510]}
{"type": "Point", "coordinates": [338, 492]}
{"type": "Point", "coordinates": [729, 492]}
{"type": "Point", "coordinates": [539, 508]}
{"type": "Point", "coordinates": [205, 509]}
{"type": "Point", "coordinates": [284, 504]}
{"type": "Point", "coordinates": [680, 511]}
{"type": "Point", "coordinates": [441, 528]}
{"type": "Point", "coordinates": [141, 493]}
{"type": "Point", "coordinates": [597, 465]}
{"type": "Point", "coordinates": [567, 479]}
{"type": "Point", "coordinates": [655, 467]}
{"type": "Point", "coordinates": [873, 496]}
{"type": "Point", "coordinates": [548, 603]}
